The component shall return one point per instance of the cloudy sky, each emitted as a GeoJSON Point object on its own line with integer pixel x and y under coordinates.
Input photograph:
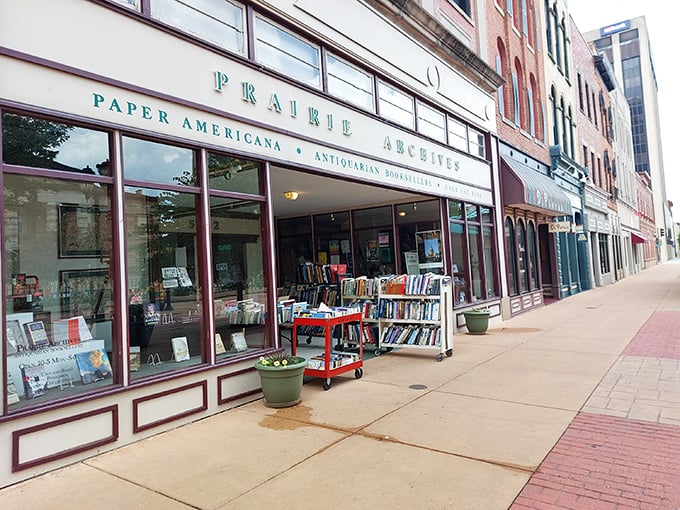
{"type": "Point", "coordinates": [662, 17]}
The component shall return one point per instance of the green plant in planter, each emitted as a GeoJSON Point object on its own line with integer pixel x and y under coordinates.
{"type": "Point", "coordinates": [281, 378]}
{"type": "Point", "coordinates": [477, 320]}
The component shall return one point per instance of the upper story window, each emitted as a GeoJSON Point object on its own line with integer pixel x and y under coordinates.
{"type": "Point", "coordinates": [464, 5]}
{"type": "Point", "coordinates": [477, 143]}
{"type": "Point", "coordinates": [431, 122]}
{"type": "Point", "coordinates": [395, 105]}
{"type": "Point", "coordinates": [134, 4]}
{"type": "Point", "coordinates": [349, 83]}
{"type": "Point", "coordinates": [287, 53]}
{"type": "Point", "coordinates": [220, 23]}
{"type": "Point", "coordinates": [458, 135]}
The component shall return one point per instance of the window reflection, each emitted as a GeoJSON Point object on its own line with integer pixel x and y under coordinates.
{"type": "Point", "coordinates": [220, 22]}
{"type": "Point", "coordinates": [39, 143]}
{"type": "Point", "coordinates": [286, 53]}
{"type": "Point", "coordinates": [163, 280]}
{"type": "Point", "coordinates": [349, 83]}
{"type": "Point", "coordinates": [240, 289]}
{"type": "Point", "coordinates": [59, 302]}
{"type": "Point", "coordinates": [395, 105]}
{"type": "Point", "coordinates": [157, 162]}
{"type": "Point", "coordinates": [233, 174]}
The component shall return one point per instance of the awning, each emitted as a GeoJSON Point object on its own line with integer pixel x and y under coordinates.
{"type": "Point", "coordinates": [529, 189]}
{"type": "Point", "coordinates": [637, 238]}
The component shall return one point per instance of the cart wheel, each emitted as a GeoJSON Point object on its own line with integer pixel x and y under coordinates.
{"type": "Point", "coordinates": [309, 340]}
{"type": "Point", "coordinates": [449, 353]}
{"type": "Point", "coordinates": [440, 357]}
{"type": "Point", "coordinates": [327, 385]}
{"type": "Point", "coordinates": [358, 373]}
{"type": "Point", "coordinates": [377, 352]}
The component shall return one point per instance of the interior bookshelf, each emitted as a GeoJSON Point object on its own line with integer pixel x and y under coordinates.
{"type": "Point", "coordinates": [415, 312]}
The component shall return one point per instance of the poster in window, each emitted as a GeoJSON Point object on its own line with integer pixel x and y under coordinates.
{"type": "Point", "coordinates": [372, 251]}
{"type": "Point", "coordinates": [429, 247]}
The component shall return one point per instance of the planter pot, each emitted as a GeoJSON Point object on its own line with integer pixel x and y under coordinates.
{"type": "Point", "coordinates": [281, 386]}
{"type": "Point", "coordinates": [477, 322]}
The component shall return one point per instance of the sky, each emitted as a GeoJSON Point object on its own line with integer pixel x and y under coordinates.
{"type": "Point", "coordinates": [661, 17]}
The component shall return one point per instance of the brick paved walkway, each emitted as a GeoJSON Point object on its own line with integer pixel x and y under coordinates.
{"type": "Point", "coordinates": [622, 451]}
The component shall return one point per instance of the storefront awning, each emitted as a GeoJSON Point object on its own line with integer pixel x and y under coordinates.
{"type": "Point", "coordinates": [529, 189]}
{"type": "Point", "coordinates": [637, 238]}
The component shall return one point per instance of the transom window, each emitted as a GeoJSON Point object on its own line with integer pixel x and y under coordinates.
{"type": "Point", "coordinates": [431, 122]}
{"type": "Point", "coordinates": [220, 23]}
{"type": "Point", "coordinates": [284, 52]}
{"type": "Point", "coordinates": [349, 83]}
{"type": "Point", "coordinates": [395, 105]}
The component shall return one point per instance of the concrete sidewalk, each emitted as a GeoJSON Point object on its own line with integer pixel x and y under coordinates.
{"type": "Point", "coordinates": [511, 419]}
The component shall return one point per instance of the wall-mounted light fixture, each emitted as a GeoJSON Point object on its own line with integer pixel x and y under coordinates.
{"type": "Point", "coordinates": [291, 195]}
{"type": "Point", "coordinates": [402, 213]}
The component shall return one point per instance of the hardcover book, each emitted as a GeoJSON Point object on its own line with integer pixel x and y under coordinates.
{"type": "Point", "coordinates": [36, 334]}
{"type": "Point", "coordinates": [180, 348]}
{"type": "Point", "coordinates": [35, 381]}
{"type": "Point", "coordinates": [93, 365]}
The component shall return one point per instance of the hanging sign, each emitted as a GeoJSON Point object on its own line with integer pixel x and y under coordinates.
{"type": "Point", "coordinates": [559, 226]}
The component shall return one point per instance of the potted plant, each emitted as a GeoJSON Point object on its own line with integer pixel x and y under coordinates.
{"type": "Point", "coordinates": [477, 320]}
{"type": "Point", "coordinates": [281, 378]}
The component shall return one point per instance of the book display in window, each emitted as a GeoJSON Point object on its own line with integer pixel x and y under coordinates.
{"type": "Point", "coordinates": [34, 380]}
{"type": "Point", "coordinates": [180, 349]}
{"type": "Point", "coordinates": [415, 311]}
{"type": "Point", "coordinates": [94, 366]}
{"type": "Point", "coordinates": [36, 334]}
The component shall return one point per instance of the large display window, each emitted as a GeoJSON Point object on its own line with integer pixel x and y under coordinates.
{"type": "Point", "coordinates": [63, 329]}
{"type": "Point", "coordinates": [59, 303]}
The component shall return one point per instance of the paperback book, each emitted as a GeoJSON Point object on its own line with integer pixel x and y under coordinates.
{"type": "Point", "coordinates": [93, 365]}
{"type": "Point", "coordinates": [34, 380]}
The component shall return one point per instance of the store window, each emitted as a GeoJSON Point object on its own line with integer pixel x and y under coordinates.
{"type": "Point", "coordinates": [163, 267]}
{"type": "Point", "coordinates": [395, 105]}
{"type": "Point", "coordinates": [532, 245]}
{"type": "Point", "coordinates": [220, 23]}
{"type": "Point", "coordinates": [233, 174]}
{"type": "Point", "coordinates": [522, 262]}
{"type": "Point", "coordinates": [605, 263]}
{"type": "Point", "coordinates": [332, 239]}
{"type": "Point", "coordinates": [349, 83]}
{"type": "Point", "coordinates": [373, 241]}
{"type": "Point", "coordinates": [295, 248]}
{"type": "Point", "coordinates": [59, 302]}
{"type": "Point", "coordinates": [239, 284]}
{"type": "Point", "coordinates": [511, 256]}
{"type": "Point", "coordinates": [459, 259]}
{"type": "Point", "coordinates": [431, 123]}
{"type": "Point", "coordinates": [287, 53]}
{"type": "Point", "coordinates": [419, 233]}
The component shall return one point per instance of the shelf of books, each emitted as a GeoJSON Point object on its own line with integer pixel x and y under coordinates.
{"type": "Point", "coordinates": [415, 312]}
{"type": "Point", "coordinates": [331, 362]}
{"type": "Point", "coordinates": [361, 294]}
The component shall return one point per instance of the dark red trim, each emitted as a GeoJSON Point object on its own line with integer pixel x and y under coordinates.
{"type": "Point", "coordinates": [136, 427]}
{"type": "Point", "coordinates": [17, 434]}
{"type": "Point", "coordinates": [221, 399]}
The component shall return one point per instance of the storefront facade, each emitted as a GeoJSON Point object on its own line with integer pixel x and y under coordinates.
{"type": "Point", "coordinates": [138, 216]}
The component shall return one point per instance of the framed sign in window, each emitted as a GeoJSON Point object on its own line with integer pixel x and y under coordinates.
{"type": "Point", "coordinates": [83, 231]}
